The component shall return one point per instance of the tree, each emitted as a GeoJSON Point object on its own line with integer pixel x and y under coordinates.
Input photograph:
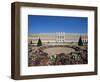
{"type": "Point", "coordinates": [39, 42]}
{"type": "Point", "coordinates": [31, 42]}
{"type": "Point", "coordinates": [80, 43]}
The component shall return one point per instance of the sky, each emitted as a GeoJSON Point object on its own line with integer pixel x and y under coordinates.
{"type": "Point", "coordinates": [52, 24]}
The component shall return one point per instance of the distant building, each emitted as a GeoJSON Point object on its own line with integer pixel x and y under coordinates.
{"type": "Point", "coordinates": [59, 38]}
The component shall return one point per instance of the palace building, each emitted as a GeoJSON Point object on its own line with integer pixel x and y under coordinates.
{"type": "Point", "coordinates": [58, 38]}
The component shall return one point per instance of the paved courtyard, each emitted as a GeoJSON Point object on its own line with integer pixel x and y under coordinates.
{"type": "Point", "coordinates": [58, 50]}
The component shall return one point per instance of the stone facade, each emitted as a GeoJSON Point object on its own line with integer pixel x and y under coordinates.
{"type": "Point", "coordinates": [59, 38]}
